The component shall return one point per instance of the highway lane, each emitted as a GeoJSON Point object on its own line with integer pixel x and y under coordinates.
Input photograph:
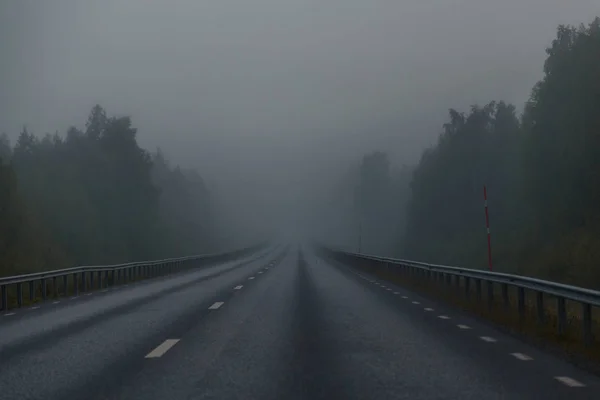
{"type": "Point", "coordinates": [301, 328]}
{"type": "Point", "coordinates": [47, 351]}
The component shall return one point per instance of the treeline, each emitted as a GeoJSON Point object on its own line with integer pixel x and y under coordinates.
{"type": "Point", "coordinates": [541, 169]}
{"type": "Point", "coordinates": [94, 196]}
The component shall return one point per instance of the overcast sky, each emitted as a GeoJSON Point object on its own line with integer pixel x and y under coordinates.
{"type": "Point", "coordinates": [248, 86]}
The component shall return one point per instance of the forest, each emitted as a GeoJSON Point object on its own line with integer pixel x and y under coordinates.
{"type": "Point", "coordinates": [541, 168]}
{"type": "Point", "coordinates": [93, 196]}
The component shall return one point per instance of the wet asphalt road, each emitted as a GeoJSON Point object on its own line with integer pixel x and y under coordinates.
{"type": "Point", "coordinates": [278, 325]}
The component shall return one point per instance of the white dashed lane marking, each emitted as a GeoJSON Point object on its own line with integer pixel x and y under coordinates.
{"type": "Point", "coordinates": [251, 278]}
{"type": "Point", "coordinates": [404, 297]}
{"type": "Point", "coordinates": [416, 302]}
{"type": "Point", "coordinates": [238, 287]}
{"type": "Point", "coordinates": [216, 305]}
{"type": "Point", "coordinates": [463, 326]}
{"type": "Point", "coordinates": [396, 292]}
{"type": "Point", "coordinates": [9, 314]}
{"type": "Point", "coordinates": [569, 381]}
{"type": "Point", "coordinates": [429, 309]}
{"type": "Point", "coordinates": [89, 294]}
{"type": "Point", "coordinates": [260, 272]}
{"type": "Point", "coordinates": [34, 308]}
{"type": "Point", "coordinates": [56, 302]}
{"type": "Point", "coordinates": [389, 289]}
{"type": "Point", "coordinates": [488, 339]}
{"type": "Point", "coordinates": [443, 317]}
{"type": "Point", "coordinates": [162, 348]}
{"type": "Point", "coordinates": [521, 356]}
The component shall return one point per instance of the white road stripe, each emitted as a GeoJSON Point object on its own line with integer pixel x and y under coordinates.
{"type": "Point", "coordinates": [404, 297]}
{"type": "Point", "coordinates": [389, 289]}
{"type": "Point", "coordinates": [9, 314]}
{"type": "Point", "coordinates": [89, 294]}
{"type": "Point", "coordinates": [104, 291]}
{"type": "Point", "coordinates": [396, 292]}
{"type": "Point", "coordinates": [251, 278]}
{"type": "Point", "coordinates": [162, 348]}
{"type": "Point", "coordinates": [238, 287]}
{"type": "Point", "coordinates": [416, 302]}
{"type": "Point", "coordinates": [443, 317]}
{"type": "Point", "coordinates": [56, 302]}
{"type": "Point", "coordinates": [521, 356]}
{"type": "Point", "coordinates": [488, 339]}
{"type": "Point", "coordinates": [74, 298]}
{"type": "Point", "coordinates": [260, 272]}
{"type": "Point", "coordinates": [216, 305]}
{"type": "Point", "coordinates": [569, 381]}
{"type": "Point", "coordinates": [429, 309]}
{"type": "Point", "coordinates": [34, 308]}
{"type": "Point", "coordinates": [464, 326]}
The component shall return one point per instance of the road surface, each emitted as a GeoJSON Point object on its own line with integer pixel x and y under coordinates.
{"type": "Point", "coordinates": [277, 325]}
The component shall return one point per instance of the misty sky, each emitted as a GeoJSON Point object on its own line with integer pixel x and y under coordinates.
{"type": "Point", "coordinates": [286, 90]}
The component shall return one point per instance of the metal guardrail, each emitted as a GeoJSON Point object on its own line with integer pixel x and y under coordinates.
{"type": "Point", "coordinates": [90, 277]}
{"type": "Point", "coordinates": [544, 290]}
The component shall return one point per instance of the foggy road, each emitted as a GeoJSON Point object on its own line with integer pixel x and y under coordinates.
{"type": "Point", "coordinates": [277, 325]}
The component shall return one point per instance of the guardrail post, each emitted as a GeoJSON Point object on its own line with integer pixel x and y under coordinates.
{"type": "Point", "coordinates": [65, 284]}
{"type": "Point", "coordinates": [31, 290]}
{"type": "Point", "coordinates": [83, 282]}
{"type": "Point", "coordinates": [521, 301]}
{"type": "Point", "coordinates": [44, 288]}
{"type": "Point", "coordinates": [586, 313]}
{"type": "Point", "coordinates": [539, 300]}
{"type": "Point", "coordinates": [505, 299]}
{"type": "Point", "coordinates": [561, 311]}
{"type": "Point", "coordinates": [54, 287]}
{"type": "Point", "coordinates": [467, 287]}
{"type": "Point", "coordinates": [91, 280]}
{"type": "Point", "coordinates": [19, 294]}
{"type": "Point", "coordinates": [478, 289]}
{"type": "Point", "coordinates": [75, 285]}
{"type": "Point", "coordinates": [4, 298]}
{"type": "Point", "coordinates": [490, 293]}
{"type": "Point", "coordinates": [100, 283]}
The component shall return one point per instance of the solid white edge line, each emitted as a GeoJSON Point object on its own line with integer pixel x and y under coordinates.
{"type": "Point", "coordinates": [488, 339]}
{"type": "Point", "coordinates": [463, 326]}
{"type": "Point", "coordinates": [238, 287]}
{"type": "Point", "coordinates": [521, 356]}
{"type": "Point", "coordinates": [9, 314]}
{"type": "Point", "coordinates": [216, 305]}
{"type": "Point", "coordinates": [162, 348]}
{"type": "Point", "coordinates": [569, 381]}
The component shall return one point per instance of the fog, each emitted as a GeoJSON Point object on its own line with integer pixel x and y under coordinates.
{"type": "Point", "coordinates": [271, 100]}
